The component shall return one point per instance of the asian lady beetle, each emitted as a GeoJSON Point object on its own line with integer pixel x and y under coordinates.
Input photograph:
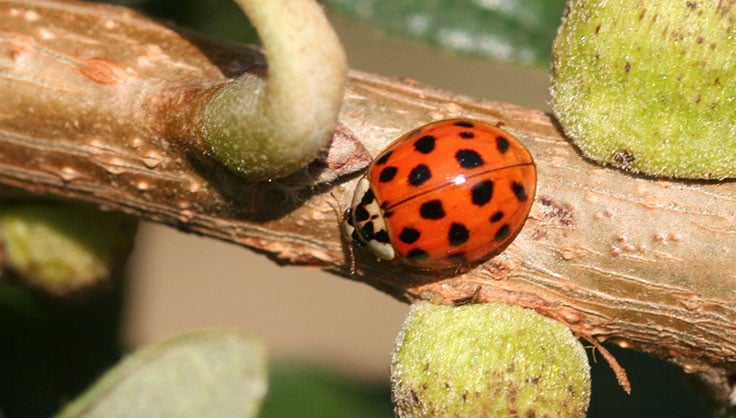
{"type": "Point", "coordinates": [452, 192]}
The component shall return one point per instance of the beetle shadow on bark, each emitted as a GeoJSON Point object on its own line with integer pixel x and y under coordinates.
{"type": "Point", "coordinates": [265, 201]}
{"type": "Point", "coordinates": [250, 201]}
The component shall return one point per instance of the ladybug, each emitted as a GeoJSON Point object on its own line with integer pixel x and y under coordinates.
{"type": "Point", "coordinates": [452, 192]}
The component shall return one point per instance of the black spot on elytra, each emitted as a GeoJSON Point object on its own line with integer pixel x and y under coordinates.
{"type": "Point", "coordinates": [482, 193]}
{"type": "Point", "coordinates": [361, 214]}
{"type": "Point", "coordinates": [425, 144]}
{"type": "Point", "coordinates": [458, 235]}
{"type": "Point", "coordinates": [467, 135]}
{"type": "Point", "coordinates": [387, 214]}
{"type": "Point", "coordinates": [468, 158]}
{"type": "Point", "coordinates": [464, 123]}
{"type": "Point", "coordinates": [502, 233]}
{"type": "Point", "coordinates": [387, 174]}
{"type": "Point", "coordinates": [384, 158]}
{"type": "Point", "coordinates": [519, 191]}
{"type": "Point", "coordinates": [409, 235]}
{"type": "Point", "coordinates": [496, 217]}
{"type": "Point", "coordinates": [432, 210]}
{"type": "Point", "coordinates": [417, 254]}
{"type": "Point", "coordinates": [502, 144]}
{"type": "Point", "coordinates": [419, 175]}
{"type": "Point", "coordinates": [381, 236]}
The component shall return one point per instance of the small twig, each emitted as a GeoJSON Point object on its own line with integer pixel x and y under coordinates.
{"type": "Point", "coordinates": [265, 128]}
{"type": "Point", "coordinates": [618, 370]}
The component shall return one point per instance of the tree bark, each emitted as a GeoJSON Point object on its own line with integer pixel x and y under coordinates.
{"type": "Point", "coordinates": [102, 105]}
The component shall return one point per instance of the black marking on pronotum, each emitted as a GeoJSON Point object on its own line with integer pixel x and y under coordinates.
{"type": "Point", "coordinates": [425, 144]}
{"type": "Point", "coordinates": [382, 237]}
{"type": "Point", "coordinates": [468, 158]}
{"type": "Point", "coordinates": [367, 231]}
{"type": "Point", "coordinates": [361, 214]}
{"type": "Point", "coordinates": [432, 210]}
{"type": "Point", "coordinates": [419, 175]}
{"type": "Point", "coordinates": [482, 193]}
{"type": "Point", "coordinates": [502, 144]}
{"type": "Point", "coordinates": [367, 198]}
{"type": "Point", "coordinates": [458, 235]}
{"type": "Point", "coordinates": [519, 191]}
{"type": "Point", "coordinates": [409, 235]}
{"type": "Point", "coordinates": [387, 174]}
{"type": "Point", "coordinates": [503, 232]}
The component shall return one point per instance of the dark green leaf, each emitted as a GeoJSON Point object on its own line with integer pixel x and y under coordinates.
{"type": "Point", "coordinates": [309, 391]}
{"type": "Point", "coordinates": [507, 30]}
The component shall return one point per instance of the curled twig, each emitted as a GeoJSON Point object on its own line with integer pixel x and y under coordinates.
{"type": "Point", "coordinates": [266, 128]}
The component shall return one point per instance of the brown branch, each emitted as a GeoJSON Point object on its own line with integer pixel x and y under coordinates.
{"type": "Point", "coordinates": [99, 105]}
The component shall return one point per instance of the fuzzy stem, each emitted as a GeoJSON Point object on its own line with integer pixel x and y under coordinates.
{"type": "Point", "coordinates": [268, 128]}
